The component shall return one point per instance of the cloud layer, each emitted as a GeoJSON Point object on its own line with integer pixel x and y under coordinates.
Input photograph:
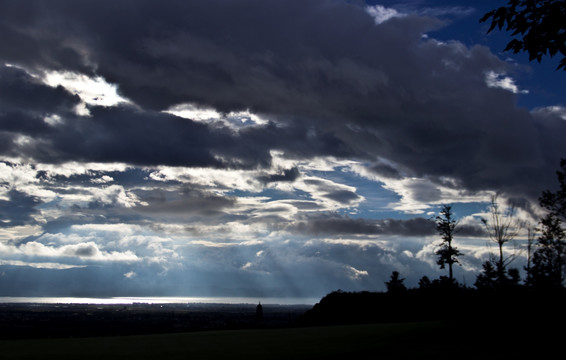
{"type": "Point", "coordinates": [341, 85]}
{"type": "Point", "coordinates": [216, 131]}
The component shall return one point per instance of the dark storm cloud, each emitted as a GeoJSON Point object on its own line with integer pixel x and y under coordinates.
{"type": "Point", "coordinates": [342, 196]}
{"type": "Point", "coordinates": [385, 170]}
{"type": "Point", "coordinates": [22, 92]}
{"type": "Point", "coordinates": [329, 191]}
{"type": "Point", "coordinates": [37, 49]}
{"type": "Point", "coordinates": [335, 82]}
{"type": "Point", "coordinates": [83, 250]}
{"type": "Point", "coordinates": [125, 135]}
{"type": "Point", "coordinates": [409, 227]}
{"type": "Point", "coordinates": [131, 135]}
{"type": "Point", "coordinates": [18, 209]}
{"type": "Point", "coordinates": [251, 147]}
{"type": "Point", "coordinates": [186, 202]}
{"type": "Point", "coordinates": [336, 225]}
{"type": "Point", "coordinates": [333, 224]}
{"type": "Point", "coordinates": [24, 104]}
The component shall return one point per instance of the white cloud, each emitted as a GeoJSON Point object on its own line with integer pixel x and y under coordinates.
{"type": "Point", "coordinates": [92, 91]}
{"type": "Point", "coordinates": [17, 176]}
{"type": "Point", "coordinates": [497, 80]}
{"type": "Point", "coordinates": [68, 169]}
{"type": "Point", "coordinates": [40, 265]}
{"type": "Point", "coordinates": [274, 208]}
{"type": "Point", "coordinates": [85, 197]}
{"type": "Point", "coordinates": [559, 111]}
{"type": "Point", "coordinates": [381, 13]}
{"type": "Point", "coordinates": [441, 11]}
{"type": "Point", "coordinates": [115, 195]}
{"type": "Point", "coordinates": [233, 119]}
{"type": "Point", "coordinates": [102, 180]}
{"type": "Point", "coordinates": [121, 229]}
{"type": "Point", "coordinates": [130, 274]}
{"type": "Point", "coordinates": [408, 253]}
{"type": "Point", "coordinates": [19, 232]}
{"type": "Point", "coordinates": [245, 118]}
{"type": "Point", "coordinates": [86, 251]}
{"type": "Point", "coordinates": [354, 273]}
{"type": "Point", "coordinates": [194, 112]}
{"type": "Point", "coordinates": [53, 120]}
{"type": "Point", "coordinates": [213, 244]}
{"type": "Point", "coordinates": [327, 194]}
{"type": "Point", "coordinates": [417, 195]}
{"type": "Point", "coordinates": [215, 179]}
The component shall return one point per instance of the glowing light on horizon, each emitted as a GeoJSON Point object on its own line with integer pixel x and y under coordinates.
{"type": "Point", "coordinates": [158, 300]}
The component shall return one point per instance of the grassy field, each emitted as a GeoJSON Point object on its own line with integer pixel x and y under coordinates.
{"type": "Point", "coordinates": [377, 341]}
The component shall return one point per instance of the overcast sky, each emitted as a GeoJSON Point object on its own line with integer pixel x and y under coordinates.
{"type": "Point", "coordinates": [259, 148]}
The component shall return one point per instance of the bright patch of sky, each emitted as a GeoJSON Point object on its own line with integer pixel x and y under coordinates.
{"type": "Point", "coordinates": [381, 13]}
{"type": "Point", "coordinates": [501, 81]}
{"type": "Point", "coordinates": [234, 119]}
{"type": "Point", "coordinates": [92, 90]}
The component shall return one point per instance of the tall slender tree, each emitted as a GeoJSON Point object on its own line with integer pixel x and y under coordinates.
{"type": "Point", "coordinates": [531, 237]}
{"type": "Point", "coordinates": [502, 227]}
{"type": "Point", "coordinates": [446, 226]}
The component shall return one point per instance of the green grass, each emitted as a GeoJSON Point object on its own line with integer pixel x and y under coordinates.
{"type": "Point", "coordinates": [355, 341]}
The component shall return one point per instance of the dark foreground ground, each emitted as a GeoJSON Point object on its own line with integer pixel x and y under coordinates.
{"type": "Point", "coordinates": [423, 340]}
{"type": "Point", "coordinates": [341, 326]}
{"type": "Point", "coordinates": [376, 341]}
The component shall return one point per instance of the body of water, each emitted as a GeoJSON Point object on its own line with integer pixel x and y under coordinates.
{"type": "Point", "coordinates": [160, 300]}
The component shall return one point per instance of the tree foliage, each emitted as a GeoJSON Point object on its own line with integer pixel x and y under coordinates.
{"type": "Point", "coordinates": [555, 201]}
{"type": "Point", "coordinates": [395, 284]}
{"type": "Point", "coordinates": [539, 27]}
{"type": "Point", "coordinates": [548, 268]}
{"type": "Point", "coordinates": [446, 228]}
{"type": "Point", "coordinates": [487, 279]}
{"type": "Point", "coordinates": [549, 260]}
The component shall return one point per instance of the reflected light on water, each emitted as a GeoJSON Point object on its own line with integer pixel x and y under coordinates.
{"type": "Point", "coordinates": [159, 300]}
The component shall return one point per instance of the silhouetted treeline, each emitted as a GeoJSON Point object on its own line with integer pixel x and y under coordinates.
{"type": "Point", "coordinates": [546, 253]}
{"type": "Point", "coordinates": [442, 301]}
{"type": "Point", "coordinates": [501, 302]}
{"type": "Point", "coordinates": [471, 323]}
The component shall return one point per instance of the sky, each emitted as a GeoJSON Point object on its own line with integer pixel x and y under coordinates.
{"type": "Point", "coordinates": [260, 148]}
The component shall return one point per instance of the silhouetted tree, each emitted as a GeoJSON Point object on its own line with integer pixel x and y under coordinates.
{"type": "Point", "coordinates": [487, 279]}
{"type": "Point", "coordinates": [396, 284]}
{"type": "Point", "coordinates": [539, 24]}
{"type": "Point", "coordinates": [514, 277]}
{"type": "Point", "coordinates": [446, 227]}
{"type": "Point", "coordinates": [502, 227]}
{"type": "Point", "coordinates": [555, 201]}
{"type": "Point", "coordinates": [549, 259]}
{"type": "Point", "coordinates": [531, 235]}
{"type": "Point", "coordinates": [425, 283]}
